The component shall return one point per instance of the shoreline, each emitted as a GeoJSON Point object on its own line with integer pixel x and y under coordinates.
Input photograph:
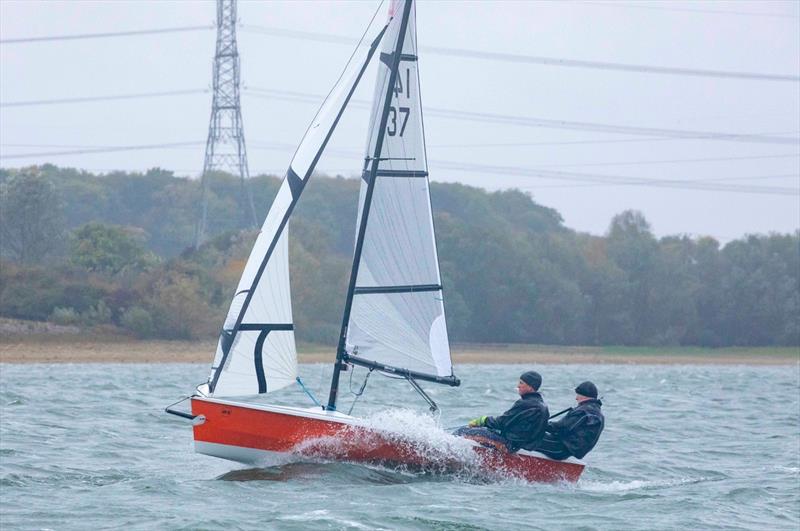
{"type": "Point", "coordinates": [75, 350]}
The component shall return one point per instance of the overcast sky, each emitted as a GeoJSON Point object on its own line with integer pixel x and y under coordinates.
{"type": "Point", "coordinates": [761, 176]}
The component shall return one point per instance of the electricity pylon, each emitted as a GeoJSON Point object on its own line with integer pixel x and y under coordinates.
{"type": "Point", "coordinates": [225, 147]}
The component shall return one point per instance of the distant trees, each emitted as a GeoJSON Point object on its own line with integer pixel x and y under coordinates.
{"type": "Point", "coordinates": [763, 298]}
{"type": "Point", "coordinates": [30, 217]}
{"type": "Point", "coordinates": [109, 249]}
{"type": "Point", "coordinates": [512, 272]}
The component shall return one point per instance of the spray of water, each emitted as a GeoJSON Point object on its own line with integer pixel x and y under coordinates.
{"type": "Point", "coordinates": [423, 432]}
{"type": "Point", "coordinates": [400, 439]}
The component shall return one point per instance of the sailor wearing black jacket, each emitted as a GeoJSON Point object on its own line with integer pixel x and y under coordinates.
{"type": "Point", "coordinates": [523, 425]}
{"type": "Point", "coordinates": [578, 432]}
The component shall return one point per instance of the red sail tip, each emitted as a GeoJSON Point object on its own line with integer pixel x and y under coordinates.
{"type": "Point", "coordinates": [394, 7]}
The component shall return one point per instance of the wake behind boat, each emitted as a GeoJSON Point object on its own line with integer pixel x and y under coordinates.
{"type": "Point", "coordinates": [394, 320]}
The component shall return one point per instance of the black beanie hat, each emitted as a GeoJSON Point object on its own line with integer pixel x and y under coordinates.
{"type": "Point", "coordinates": [532, 378]}
{"type": "Point", "coordinates": [587, 388]}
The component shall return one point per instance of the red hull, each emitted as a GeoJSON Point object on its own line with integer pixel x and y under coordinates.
{"type": "Point", "coordinates": [247, 433]}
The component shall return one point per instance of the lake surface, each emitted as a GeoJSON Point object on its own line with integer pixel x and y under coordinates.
{"type": "Point", "coordinates": [692, 447]}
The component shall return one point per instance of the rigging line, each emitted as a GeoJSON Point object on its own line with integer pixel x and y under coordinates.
{"type": "Point", "coordinates": [527, 121]}
{"type": "Point", "coordinates": [101, 150]}
{"type": "Point", "coordinates": [533, 59]}
{"type": "Point", "coordinates": [128, 33]}
{"type": "Point", "coordinates": [612, 179]}
{"type": "Point", "coordinates": [87, 99]}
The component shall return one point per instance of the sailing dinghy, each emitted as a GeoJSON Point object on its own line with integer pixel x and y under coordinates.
{"type": "Point", "coordinates": [393, 322]}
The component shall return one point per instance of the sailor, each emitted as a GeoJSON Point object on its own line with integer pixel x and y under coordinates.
{"type": "Point", "coordinates": [577, 433]}
{"type": "Point", "coordinates": [522, 426]}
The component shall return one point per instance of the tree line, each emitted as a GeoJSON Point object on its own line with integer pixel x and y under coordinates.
{"type": "Point", "coordinates": [116, 250]}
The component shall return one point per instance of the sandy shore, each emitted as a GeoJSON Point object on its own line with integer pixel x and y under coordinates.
{"type": "Point", "coordinates": [75, 350]}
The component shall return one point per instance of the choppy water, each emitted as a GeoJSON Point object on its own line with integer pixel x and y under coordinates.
{"type": "Point", "coordinates": [703, 447]}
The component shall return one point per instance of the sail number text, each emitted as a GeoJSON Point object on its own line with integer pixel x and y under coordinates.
{"type": "Point", "coordinates": [391, 127]}
{"type": "Point", "coordinates": [398, 116]}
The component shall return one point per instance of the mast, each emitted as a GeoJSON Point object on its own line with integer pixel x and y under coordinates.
{"type": "Point", "coordinates": [374, 161]}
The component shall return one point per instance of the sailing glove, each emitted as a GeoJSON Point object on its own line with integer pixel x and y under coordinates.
{"type": "Point", "coordinates": [480, 421]}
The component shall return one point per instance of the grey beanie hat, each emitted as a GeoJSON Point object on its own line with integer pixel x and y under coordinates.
{"type": "Point", "coordinates": [532, 378]}
{"type": "Point", "coordinates": [587, 388]}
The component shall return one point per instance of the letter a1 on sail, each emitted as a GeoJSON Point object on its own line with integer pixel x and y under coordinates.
{"type": "Point", "coordinates": [394, 320]}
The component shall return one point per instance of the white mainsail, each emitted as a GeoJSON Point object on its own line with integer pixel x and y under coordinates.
{"type": "Point", "coordinates": [397, 314]}
{"type": "Point", "coordinates": [256, 351]}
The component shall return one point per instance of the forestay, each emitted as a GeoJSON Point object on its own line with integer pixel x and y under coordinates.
{"type": "Point", "coordinates": [397, 313]}
{"type": "Point", "coordinates": [256, 351]}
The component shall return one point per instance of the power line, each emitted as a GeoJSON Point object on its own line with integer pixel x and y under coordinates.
{"type": "Point", "coordinates": [525, 121]}
{"type": "Point", "coordinates": [757, 178]}
{"type": "Point", "coordinates": [83, 149]}
{"type": "Point", "coordinates": [595, 185]}
{"type": "Point", "coordinates": [109, 34]}
{"type": "Point", "coordinates": [104, 149]}
{"type": "Point", "coordinates": [92, 149]}
{"type": "Point", "coordinates": [88, 99]}
{"type": "Point", "coordinates": [509, 171]}
{"type": "Point", "coordinates": [352, 152]}
{"type": "Point", "coordinates": [272, 94]}
{"type": "Point", "coordinates": [639, 5]}
{"type": "Point", "coordinates": [61, 146]}
{"type": "Point", "coordinates": [606, 65]}
{"type": "Point", "coordinates": [453, 52]}
{"type": "Point", "coordinates": [578, 142]}
{"type": "Point", "coordinates": [711, 180]}
{"type": "Point", "coordinates": [605, 128]}
{"type": "Point", "coordinates": [615, 180]}
{"type": "Point", "coordinates": [533, 59]}
{"type": "Point", "coordinates": [671, 161]}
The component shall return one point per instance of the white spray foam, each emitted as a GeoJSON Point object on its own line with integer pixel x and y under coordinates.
{"type": "Point", "coordinates": [415, 432]}
{"type": "Point", "coordinates": [423, 432]}
{"type": "Point", "coordinates": [627, 486]}
{"type": "Point", "coordinates": [324, 517]}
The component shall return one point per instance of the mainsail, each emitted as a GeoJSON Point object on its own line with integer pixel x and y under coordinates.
{"type": "Point", "coordinates": [394, 315]}
{"type": "Point", "coordinates": [256, 350]}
